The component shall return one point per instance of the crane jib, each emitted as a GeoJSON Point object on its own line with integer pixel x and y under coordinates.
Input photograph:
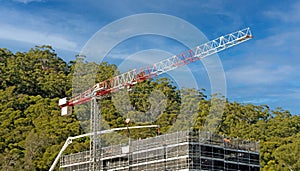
{"type": "Point", "coordinates": [132, 77]}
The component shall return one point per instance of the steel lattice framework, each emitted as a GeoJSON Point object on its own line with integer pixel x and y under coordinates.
{"type": "Point", "coordinates": [132, 77]}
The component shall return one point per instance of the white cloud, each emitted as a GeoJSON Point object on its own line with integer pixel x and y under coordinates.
{"type": "Point", "coordinates": [259, 100]}
{"type": "Point", "coordinates": [27, 1]}
{"type": "Point", "coordinates": [293, 93]}
{"type": "Point", "coordinates": [273, 59]}
{"type": "Point", "coordinates": [282, 41]}
{"type": "Point", "coordinates": [292, 15]}
{"type": "Point", "coordinates": [258, 74]}
{"type": "Point", "coordinates": [36, 37]}
{"type": "Point", "coordinates": [60, 29]}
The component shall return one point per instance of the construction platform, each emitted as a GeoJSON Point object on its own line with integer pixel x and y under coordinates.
{"type": "Point", "coordinates": [179, 151]}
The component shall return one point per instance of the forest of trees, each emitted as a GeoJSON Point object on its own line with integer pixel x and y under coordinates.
{"type": "Point", "coordinates": [32, 131]}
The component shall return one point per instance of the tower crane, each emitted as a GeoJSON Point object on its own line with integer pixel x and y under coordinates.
{"type": "Point", "coordinates": [132, 77]}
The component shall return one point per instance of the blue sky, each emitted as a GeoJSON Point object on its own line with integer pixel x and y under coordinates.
{"type": "Point", "coordinates": [264, 70]}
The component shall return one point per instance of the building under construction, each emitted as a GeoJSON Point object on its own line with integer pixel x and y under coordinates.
{"type": "Point", "coordinates": [176, 151]}
{"type": "Point", "coordinates": [182, 151]}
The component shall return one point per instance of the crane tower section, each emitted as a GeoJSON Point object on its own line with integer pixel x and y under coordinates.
{"type": "Point", "coordinates": [132, 77]}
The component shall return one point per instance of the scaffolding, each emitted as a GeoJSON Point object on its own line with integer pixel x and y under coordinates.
{"type": "Point", "coordinates": [183, 151]}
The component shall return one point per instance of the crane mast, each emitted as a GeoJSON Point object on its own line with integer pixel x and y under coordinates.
{"type": "Point", "coordinates": [132, 77]}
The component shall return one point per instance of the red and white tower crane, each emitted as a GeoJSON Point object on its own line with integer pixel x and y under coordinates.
{"type": "Point", "coordinates": [132, 77]}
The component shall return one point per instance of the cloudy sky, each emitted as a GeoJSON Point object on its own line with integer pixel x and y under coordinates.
{"type": "Point", "coordinates": [264, 70]}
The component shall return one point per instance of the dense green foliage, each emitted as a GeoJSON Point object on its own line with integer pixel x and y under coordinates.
{"type": "Point", "coordinates": [32, 131]}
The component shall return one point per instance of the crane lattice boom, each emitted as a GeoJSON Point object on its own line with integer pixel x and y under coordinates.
{"type": "Point", "coordinates": [132, 77]}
